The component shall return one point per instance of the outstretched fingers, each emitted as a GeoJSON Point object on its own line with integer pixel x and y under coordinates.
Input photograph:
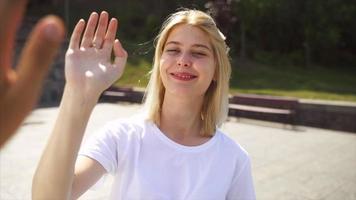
{"type": "Point", "coordinates": [33, 65]}
{"type": "Point", "coordinates": [76, 35]}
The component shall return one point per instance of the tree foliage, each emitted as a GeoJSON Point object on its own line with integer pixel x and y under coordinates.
{"type": "Point", "coordinates": [276, 31]}
{"type": "Point", "coordinates": [318, 31]}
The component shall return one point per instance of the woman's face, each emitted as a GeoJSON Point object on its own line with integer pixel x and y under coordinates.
{"type": "Point", "coordinates": [187, 63]}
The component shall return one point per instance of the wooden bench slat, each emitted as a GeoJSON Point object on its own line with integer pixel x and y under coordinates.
{"type": "Point", "coordinates": [115, 93]}
{"type": "Point", "coordinates": [259, 109]}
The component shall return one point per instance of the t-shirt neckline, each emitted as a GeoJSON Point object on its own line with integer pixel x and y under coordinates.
{"type": "Point", "coordinates": [170, 142]}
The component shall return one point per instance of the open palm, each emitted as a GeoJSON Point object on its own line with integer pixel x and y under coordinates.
{"type": "Point", "coordinates": [89, 67]}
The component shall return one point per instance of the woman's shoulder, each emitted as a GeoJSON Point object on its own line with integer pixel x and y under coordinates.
{"type": "Point", "coordinates": [122, 126]}
{"type": "Point", "coordinates": [231, 146]}
{"type": "Point", "coordinates": [134, 120]}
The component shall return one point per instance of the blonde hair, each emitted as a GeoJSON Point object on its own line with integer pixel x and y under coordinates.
{"type": "Point", "coordinates": [215, 104]}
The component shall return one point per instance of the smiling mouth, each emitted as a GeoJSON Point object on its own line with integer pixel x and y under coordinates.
{"type": "Point", "coordinates": [183, 76]}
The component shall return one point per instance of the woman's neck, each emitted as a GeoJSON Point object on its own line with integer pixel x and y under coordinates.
{"type": "Point", "coordinates": [181, 119]}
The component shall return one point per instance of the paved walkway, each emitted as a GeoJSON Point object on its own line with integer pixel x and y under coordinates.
{"type": "Point", "coordinates": [298, 164]}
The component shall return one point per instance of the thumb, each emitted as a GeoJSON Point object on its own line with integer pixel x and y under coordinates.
{"type": "Point", "coordinates": [120, 54]}
{"type": "Point", "coordinates": [119, 50]}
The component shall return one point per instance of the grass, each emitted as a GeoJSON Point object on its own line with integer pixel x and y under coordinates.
{"type": "Point", "coordinates": [314, 82]}
{"type": "Point", "coordinates": [135, 74]}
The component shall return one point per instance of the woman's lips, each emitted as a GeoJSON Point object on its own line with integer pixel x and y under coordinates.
{"type": "Point", "coordinates": [183, 76]}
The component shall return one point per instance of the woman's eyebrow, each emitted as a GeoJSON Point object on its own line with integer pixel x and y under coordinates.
{"type": "Point", "coordinates": [202, 46]}
{"type": "Point", "coordinates": [173, 42]}
{"type": "Point", "coordinates": [194, 45]}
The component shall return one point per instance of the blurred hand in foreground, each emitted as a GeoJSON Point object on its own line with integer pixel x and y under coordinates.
{"type": "Point", "coordinates": [20, 88]}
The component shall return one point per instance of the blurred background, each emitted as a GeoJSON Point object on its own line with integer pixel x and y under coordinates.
{"type": "Point", "coordinates": [302, 49]}
{"type": "Point", "coordinates": [299, 48]}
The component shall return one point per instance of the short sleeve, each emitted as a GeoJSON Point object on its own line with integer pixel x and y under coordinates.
{"type": "Point", "coordinates": [103, 147]}
{"type": "Point", "coordinates": [242, 184]}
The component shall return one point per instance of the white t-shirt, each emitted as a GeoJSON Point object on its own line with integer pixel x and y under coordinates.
{"type": "Point", "coordinates": [147, 165]}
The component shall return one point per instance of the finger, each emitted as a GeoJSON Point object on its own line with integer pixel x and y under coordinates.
{"type": "Point", "coordinates": [41, 47]}
{"type": "Point", "coordinates": [101, 30]}
{"type": "Point", "coordinates": [89, 31]}
{"type": "Point", "coordinates": [120, 58]}
{"type": "Point", "coordinates": [110, 34]}
{"type": "Point", "coordinates": [119, 50]}
{"type": "Point", "coordinates": [120, 53]}
{"type": "Point", "coordinates": [77, 33]}
{"type": "Point", "coordinates": [34, 62]}
{"type": "Point", "coordinates": [10, 16]}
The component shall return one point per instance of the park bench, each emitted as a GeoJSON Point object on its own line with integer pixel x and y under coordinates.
{"type": "Point", "coordinates": [260, 107]}
{"type": "Point", "coordinates": [267, 108]}
{"type": "Point", "coordinates": [115, 94]}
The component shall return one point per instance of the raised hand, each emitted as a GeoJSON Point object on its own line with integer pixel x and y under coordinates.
{"type": "Point", "coordinates": [89, 70]}
{"type": "Point", "coordinates": [20, 88]}
{"type": "Point", "coordinates": [89, 67]}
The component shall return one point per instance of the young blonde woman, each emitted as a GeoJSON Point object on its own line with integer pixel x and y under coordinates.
{"type": "Point", "coordinates": [174, 149]}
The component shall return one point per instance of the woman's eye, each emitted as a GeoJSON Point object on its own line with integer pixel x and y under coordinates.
{"type": "Point", "coordinates": [199, 54]}
{"type": "Point", "coordinates": [172, 50]}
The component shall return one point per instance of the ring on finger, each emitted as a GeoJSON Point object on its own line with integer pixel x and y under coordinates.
{"type": "Point", "coordinates": [96, 45]}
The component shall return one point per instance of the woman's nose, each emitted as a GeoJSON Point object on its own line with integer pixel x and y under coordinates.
{"type": "Point", "coordinates": [184, 61]}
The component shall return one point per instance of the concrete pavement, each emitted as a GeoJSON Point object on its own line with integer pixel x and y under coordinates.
{"type": "Point", "coordinates": [307, 163]}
